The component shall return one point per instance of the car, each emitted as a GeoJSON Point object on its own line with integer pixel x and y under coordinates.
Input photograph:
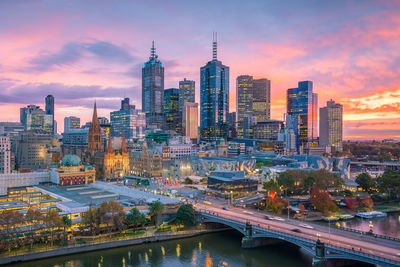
{"type": "Point", "coordinates": [248, 212]}
{"type": "Point", "coordinates": [224, 208]}
{"type": "Point", "coordinates": [276, 218]}
{"type": "Point", "coordinates": [268, 217]}
{"type": "Point", "coordinates": [296, 230]}
{"type": "Point", "coordinates": [306, 226]}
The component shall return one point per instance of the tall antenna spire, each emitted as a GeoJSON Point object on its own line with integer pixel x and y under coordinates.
{"type": "Point", "coordinates": [214, 45]}
{"type": "Point", "coordinates": [153, 51]}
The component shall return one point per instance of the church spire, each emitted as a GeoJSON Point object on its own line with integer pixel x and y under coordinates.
{"type": "Point", "coordinates": [95, 120]}
{"type": "Point", "coordinates": [109, 145]}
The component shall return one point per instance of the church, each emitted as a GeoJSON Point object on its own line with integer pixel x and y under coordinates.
{"type": "Point", "coordinates": [116, 161]}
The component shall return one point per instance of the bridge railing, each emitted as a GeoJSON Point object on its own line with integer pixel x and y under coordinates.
{"type": "Point", "coordinates": [369, 234]}
{"type": "Point", "coordinates": [357, 253]}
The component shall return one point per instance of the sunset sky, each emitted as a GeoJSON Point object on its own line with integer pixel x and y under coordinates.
{"type": "Point", "coordinates": [81, 51]}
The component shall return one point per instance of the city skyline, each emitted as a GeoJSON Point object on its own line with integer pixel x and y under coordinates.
{"type": "Point", "coordinates": [351, 57]}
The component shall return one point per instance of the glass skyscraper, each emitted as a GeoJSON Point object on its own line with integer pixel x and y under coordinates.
{"type": "Point", "coordinates": [35, 119]}
{"type": "Point", "coordinates": [173, 117]}
{"type": "Point", "coordinates": [244, 100]}
{"type": "Point", "coordinates": [331, 125]}
{"type": "Point", "coordinates": [50, 108]}
{"type": "Point", "coordinates": [262, 99]}
{"type": "Point", "coordinates": [303, 104]}
{"type": "Point", "coordinates": [187, 91]}
{"type": "Point", "coordinates": [214, 99]}
{"type": "Point", "coordinates": [153, 91]}
{"type": "Point", "coordinates": [128, 122]}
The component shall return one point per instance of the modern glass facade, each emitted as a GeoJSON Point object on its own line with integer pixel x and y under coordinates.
{"type": "Point", "coordinates": [36, 120]}
{"type": "Point", "coordinates": [190, 120]}
{"type": "Point", "coordinates": [303, 103]}
{"type": "Point", "coordinates": [267, 129]}
{"type": "Point", "coordinates": [331, 125]}
{"type": "Point", "coordinates": [244, 100]}
{"type": "Point", "coordinates": [173, 117]}
{"type": "Point", "coordinates": [129, 122]}
{"type": "Point", "coordinates": [72, 123]}
{"type": "Point", "coordinates": [214, 100]}
{"type": "Point", "coordinates": [153, 91]}
{"type": "Point", "coordinates": [262, 99]}
{"type": "Point", "coordinates": [187, 90]}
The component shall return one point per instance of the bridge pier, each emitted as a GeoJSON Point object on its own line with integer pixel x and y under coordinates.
{"type": "Point", "coordinates": [319, 259]}
{"type": "Point", "coordinates": [248, 241]}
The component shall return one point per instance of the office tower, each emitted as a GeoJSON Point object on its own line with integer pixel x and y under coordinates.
{"type": "Point", "coordinates": [267, 129]}
{"type": "Point", "coordinates": [214, 99]}
{"type": "Point", "coordinates": [36, 120]}
{"type": "Point", "coordinates": [95, 139]}
{"type": "Point", "coordinates": [187, 90]}
{"type": "Point", "coordinates": [331, 125]}
{"type": "Point", "coordinates": [303, 104]}
{"type": "Point", "coordinates": [232, 125]}
{"type": "Point", "coordinates": [248, 123]}
{"type": "Point", "coordinates": [5, 155]}
{"type": "Point", "coordinates": [244, 100]}
{"type": "Point", "coordinates": [262, 99]}
{"type": "Point", "coordinates": [191, 121]}
{"type": "Point", "coordinates": [50, 109]}
{"type": "Point", "coordinates": [33, 150]}
{"type": "Point", "coordinates": [173, 117]}
{"type": "Point", "coordinates": [128, 121]}
{"type": "Point", "coordinates": [72, 124]}
{"type": "Point", "coordinates": [253, 99]}
{"type": "Point", "coordinates": [153, 91]}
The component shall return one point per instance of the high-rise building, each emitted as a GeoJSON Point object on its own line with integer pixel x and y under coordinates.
{"type": "Point", "coordinates": [253, 99]}
{"type": "Point", "coordinates": [95, 139]}
{"type": "Point", "coordinates": [232, 125]}
{"type": "Point", "coordinates": [72, 124]}
{"type": "Point", "coordinates": [244, 100]}
{"type": "Point", "coordinates": [331, 125]}
{"type": "Point", "coordinates": [153, 91]}
{"type": "Point", "coordinates": [262, 99]}
{"type": "Point", "coordinates": [302, 103]}
{"type": "Point", "coordinates": [35, 119]}
{"type": "Point", "coordinates": [191, 120]}
{"type": "Point", "coordinates": [5, 155]}
{"type": "Point", "coordinates": [173, 117]}
{"type": "Point", "coordinates": [214, 99]}
{"type": "Point", "coordinates": [268, 129]}
{"type": "Point", "coordinates": [50, 109]}
{"type": "Point", "coordinates": [187, 91]}
{"type": "Point", "coordinates": [128, 121]}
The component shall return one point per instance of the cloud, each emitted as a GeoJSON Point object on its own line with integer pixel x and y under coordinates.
{"type": "Point", "coordinates": [72, 52]}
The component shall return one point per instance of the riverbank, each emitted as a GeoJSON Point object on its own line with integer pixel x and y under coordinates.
{"type": "Point", "coordinates": [96, 245]}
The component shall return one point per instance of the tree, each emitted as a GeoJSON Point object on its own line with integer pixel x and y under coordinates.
{"type": "Point", "coordinates": [91, 218]}
{"type": "Point", "coordinates": [112, 214]}
{"type": "Point", "coordinates": [367, 204]}
{"type": "Point", "coordinates": [353, 203]}
{"type": "Point", "coordinates": [274, 204]}
{"type": "Point", "coordinates": [52, 220]}
{"type": "Point", "coordinates": [156, 208]}
{"type": "Point", "coordinates": [389, 182]}
{"type": "Point", "coordinates": [186, 215]}
{"type": "Point", "coordinates": [135, 218]}
{"type": "Point", "coordinates": [271, 186]}
{"type": "Point", "coordinates": [67, 223]}
{"type": "Point", "coordinates": [188, 180]}
{"type": "Point", "coordinates": [33, 217]}
{"type": "Point", "coordinates": [309, 183]}
{"type": "Point", "coordinates": [286, 180]}
{"type": "Point", "coordinates": [321, 200]}
{"type": "Point", "coordinates": [365, 181]}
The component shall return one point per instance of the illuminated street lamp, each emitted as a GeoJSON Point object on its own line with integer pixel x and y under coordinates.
{"type": "Point", "coordinates": [370, 228]}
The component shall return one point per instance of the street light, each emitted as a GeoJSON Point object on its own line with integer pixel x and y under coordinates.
{"type": "Point", "coordinates": [370, 228]}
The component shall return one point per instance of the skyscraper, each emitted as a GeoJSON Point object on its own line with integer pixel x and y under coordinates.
{"type": "Point", "coordinates": [35, 119]}
{"type": "Point", "coordinates": [262, 99]}
{"type": "Point", "coordinates": [244, 100]}
{"type": "Point", "coordinates": [214, 99]}
{"type": "Point", "coordinates": [153, 91]}
{"type": "Point", "coordinates": [72, 124]}
{"type": "Point", "coordinates": [128, 121]}
{"type": "Point", "coordinates": [302, 103]}
{"type": "Point", "coordinates": [50, 108]}
{"type": "Point", "coordinates": [331, 125]}
{"type": "Point", "coordinates": [173, 117]}
{"type": "Point", "coordinates": [187, 90]}
{"type": "Point", "coordinates": [191, 121]}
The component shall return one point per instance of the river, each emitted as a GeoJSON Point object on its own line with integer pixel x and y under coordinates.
{"type": "Point", "coordinates": [219, 249]}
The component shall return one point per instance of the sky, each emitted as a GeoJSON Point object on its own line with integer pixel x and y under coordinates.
{"type": "Point", "coordinates": [82, 51]}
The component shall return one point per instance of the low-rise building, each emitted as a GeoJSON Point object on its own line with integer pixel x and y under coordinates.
{"type": "Point", "coordinates": [231, 181]}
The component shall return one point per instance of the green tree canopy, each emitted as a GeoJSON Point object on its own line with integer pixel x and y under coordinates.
{"type": "Point", "coordinates": [365, 181]}
{"type": "Point", "coordinates": [186, 215]}
{"type": "Point", "coordinates": [156, 208]}
{"type": "Point", "coordinates": [135, 218]}
{"type": "Point", "coordinates": [389, 183]}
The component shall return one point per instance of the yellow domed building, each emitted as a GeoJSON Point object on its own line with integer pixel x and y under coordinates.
{"type": "Point", "coordinates": [72, 172]}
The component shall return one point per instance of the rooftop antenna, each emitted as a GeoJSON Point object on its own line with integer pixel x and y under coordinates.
{"type": "Point", "coordinates": [214, 45]}
{"type": "Point", "coordinates": [153, 50]}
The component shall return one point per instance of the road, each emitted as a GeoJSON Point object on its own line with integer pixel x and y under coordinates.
{"type": "Point", "coordinates": [379, 247]}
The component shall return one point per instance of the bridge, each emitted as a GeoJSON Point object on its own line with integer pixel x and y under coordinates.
{"type": "Point", "coordinates": [323, 244]}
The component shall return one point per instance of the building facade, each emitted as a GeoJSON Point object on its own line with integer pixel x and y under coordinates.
{"type": "Point", "coordinates": [5, 155]}
{"type": "Point", "coordinates": [268, 129]}
{"type": "Point", "coordinates": [50, 110]}
{"type": "Point", "coordinates": [214, 99]}
{"type": "Point", "coordinates": [153, 91]}
{"type": "Point", "coordinates": [262, 99]}
{"type": "Point", "coordinates": [190, 121]}
{"type": "Point", "coordinates": [72, 124]}
{"type": "Point", "coordinates": [331, 125]}
{"type": "Point", "coordinates": [116, 161]}
{"type": "Point", "coordinates": [128, 121]}
{"type": "Point", "coordinates": [35, 119]}
{"type": "Point", "coordinates": [187, 91]}
{"type": "Point", "coordinates": [147, 162]}
{"type": "Point", "coordinates": [173, 115]}
{"type": "Point", "coordinates": [302, 107]}
{"type": "Point", "coordinates": [244, 100]}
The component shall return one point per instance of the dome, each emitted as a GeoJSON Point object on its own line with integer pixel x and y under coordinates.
{"type": "Point", "coordinates": [88, 167]}
{"type": "Point", "coordinates": [70, 160]}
